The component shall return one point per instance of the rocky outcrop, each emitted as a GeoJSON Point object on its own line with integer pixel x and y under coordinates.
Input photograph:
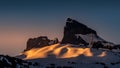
{"type": "Point", "coordinates": [72, 28]}
{"type": "Point", "coordinates": [74, 33]}
{"type": "Point", "coordinates": [116, 46]}
{"type": "Point", "coordinates": [80, 34]}
{"type": "Point", "coordinates": [12, 62]}
{"type": "Point", "coordinates": [40, 42]}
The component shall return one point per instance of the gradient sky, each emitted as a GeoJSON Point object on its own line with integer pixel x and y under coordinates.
{"type": "Point", "coordinates": [23, 19]}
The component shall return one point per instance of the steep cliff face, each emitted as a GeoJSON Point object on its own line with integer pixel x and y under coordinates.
{"type": "Point", "coordinates": [80, 34]}
{"type": "Point", "coordinates": [72, 29]}
{"type": "Point", "coordinates": [40, 42]}
{"type": "Point", "coordinates": [74, 33]}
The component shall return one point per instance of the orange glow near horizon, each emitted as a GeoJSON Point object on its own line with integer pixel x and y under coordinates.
{"type": "Point", "coordinates": [13, 40]}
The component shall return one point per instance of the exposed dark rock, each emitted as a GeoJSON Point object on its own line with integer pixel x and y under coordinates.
{"type": "Point", "coordinates": [12, 62]}
{"type": "Point", "coordinates": [116, 47]}
{"type": "Point", "coordinates": [74, 27]}
{"type": "Point", "coordinates": [74, 33]}
{"type": "Point", "coordinates": [97, 45]}
{"type": "Point", "coordinates": [40, 42]}
{"type": "Point", "coordinates": [80, 34]}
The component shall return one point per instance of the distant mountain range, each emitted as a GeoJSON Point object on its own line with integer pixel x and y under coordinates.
{"type": "Point", "coordinates": [81, 47]}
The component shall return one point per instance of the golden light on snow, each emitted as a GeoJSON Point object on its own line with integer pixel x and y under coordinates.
{"type": "Point", "coordinates": [59, 51]}
{"type": "Point", "coordinates": [102, 54]}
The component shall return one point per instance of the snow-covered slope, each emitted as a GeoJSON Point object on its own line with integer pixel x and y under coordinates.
{"type": "Point", "coordinates": [89, 37]}
{"type": "Point", "coordinates": [67, 56]}
{"type": "Point", "coordinates": [81, 47]}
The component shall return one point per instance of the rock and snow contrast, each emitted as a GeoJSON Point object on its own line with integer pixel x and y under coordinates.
{"type": "Point", "coordinates": [40, 42]}
{"type": "Point", "coordinates": [12, 62]}
{"type": "Point", "coordinates": [78, 33]}
{"type": "Point", "coordinates": [80, 47]}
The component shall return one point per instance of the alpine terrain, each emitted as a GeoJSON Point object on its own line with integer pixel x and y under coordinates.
{"type": "Point", "coordinates": [81, 47]}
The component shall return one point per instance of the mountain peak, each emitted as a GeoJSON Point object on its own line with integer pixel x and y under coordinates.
{"type": "Point", "coordinates": [73, 28]}
{"type": "Point", "coordinates": [77, 27]}
{"type": "Point", "coordinates": [69, 20]}
{"type": "Point", "coordinates": [80, 34]}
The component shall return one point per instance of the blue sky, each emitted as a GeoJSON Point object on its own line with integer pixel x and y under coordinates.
{"type": "Point", "coordinates": [23, 19]}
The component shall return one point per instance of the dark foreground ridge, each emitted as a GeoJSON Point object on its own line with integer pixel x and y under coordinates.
{"type": "Point", "coordinates": [11, 62]}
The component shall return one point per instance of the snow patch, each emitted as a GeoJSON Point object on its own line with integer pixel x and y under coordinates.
{"type": "Point", "coordinates": [89, 37]}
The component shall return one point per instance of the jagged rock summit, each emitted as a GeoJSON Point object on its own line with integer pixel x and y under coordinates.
{"type": "Point", "coordinates": [76, 27]}
{"type": "Point", "coordinates": [40, 42]}
{"type": "Point", "coordinates": [73, 28]}
{"type": "Point", "coordinates": [74, 33]}
{"type": "Point", "coordinates": [80, 34]}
